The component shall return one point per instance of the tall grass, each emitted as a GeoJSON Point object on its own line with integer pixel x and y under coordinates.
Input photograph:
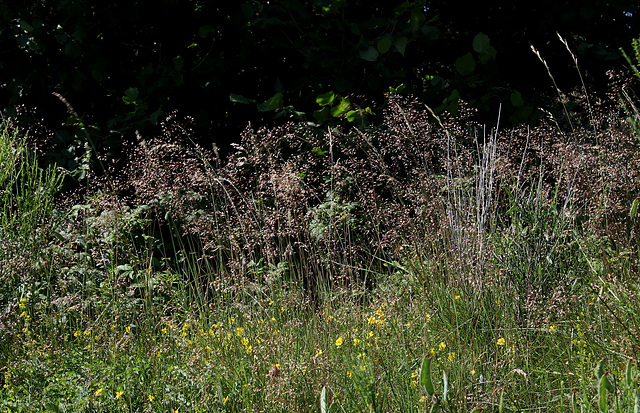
{"type": "Point", "coordinates": [26, 202]}
{"type": "Point", "coordinates": [426, 264]}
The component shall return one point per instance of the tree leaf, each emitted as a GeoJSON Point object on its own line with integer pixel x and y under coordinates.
{"type": "Point", "coordinates": [370, 54]}
{"type": "Point", "coordinates": [516, 99]}
{"type": "Point", "coordinates": [130, 95]}
{"type": "Point", "coordinates": [401, 44]}
{"type": "Point", "coordinates": [325, 98]}
{"type": "Point", "coordinates": [26, 26]}
{"type": "Point", "coordinates": [273, 103]}
{"type": "Point", "coordinates": [322, 114]}
{"type": "Point", "coordinates": [481, 43]}
{"type": "Point", "coordinates": [384, 45]}
{"type": "Point", "coordinates": [465, 65]}
{"type": "Point", "coordinates": [341, 108]}
{"type": "Point", "coordinates": [234, 98]}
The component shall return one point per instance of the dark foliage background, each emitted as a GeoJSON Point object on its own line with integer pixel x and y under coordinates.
{"type": "Point", "coordinates": [84, 76]}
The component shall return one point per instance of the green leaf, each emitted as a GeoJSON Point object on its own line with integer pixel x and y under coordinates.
{"type": "Point", "coordinates": [370, 54]}
{"type": "Point", "coordinates": [153, 118]}
{"type": "Point", "coordinates": [481, 43]}
{"type": "Point", "coordinates": [322, 114]}
{"type": "Point", "coordinates": [628, 374]}
{"type": "Point", "coordinates": [354, 115]}
{"type": "Point", "coordinates": [416, 19]}
{"type": "Point", "coordinates": [384, 45]}
{"type": "Point", "coordinates": [465, 65]}
{"type": "Point", "coordinates": [487, 55]}
{"type": "Point", "coordinates": [516, 99]}
{"type": "Point", "coordinates": [323, 400]}
{"type": "Point", "coordinates": [319, 151]}
{"type": "Point", "coordinates": [607, 384]}
{"type": "Point", "coordinates": [274, 103]}
{"type": "Point", "coordinates": [341, 108]}
{"type": "Point", "coordinates": [325, 98]}
{"type": "Point", "coordinates": [397, 89]}
{"type": "Point", "coordinates": [634, 207]}
{"type": "Point", "coordinates": [26, 26]}
{"type": "Point", "coordinates": [401, 44]}
{"type": "Point", "coordinates": [431, 32]}
{"type": "Point", "coordinates": [234, 98]}
{"type": "Point", "coordinates": [425, 376]}
{"type": "Point", "coordinates": [130, 95]}
{"type": "Point", "coordinates": [602, 396]}
{"type": "Point", "coordinates": [445, 386]}
{"type": "Point", "coordinates": [599, 370]}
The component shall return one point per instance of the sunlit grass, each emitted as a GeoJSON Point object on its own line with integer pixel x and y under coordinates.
{"type": "Point", "coordinates": [509, 303]}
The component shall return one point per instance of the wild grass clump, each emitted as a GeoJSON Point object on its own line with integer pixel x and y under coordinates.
{"type": "Point", "coordinates": [428, 263]}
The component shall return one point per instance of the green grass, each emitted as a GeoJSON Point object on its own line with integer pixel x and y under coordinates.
{"type": "Point", "coordinates": [103, 311]}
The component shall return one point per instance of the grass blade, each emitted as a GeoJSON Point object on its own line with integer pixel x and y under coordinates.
{"type": "Point", "coordinates": [425, 376]}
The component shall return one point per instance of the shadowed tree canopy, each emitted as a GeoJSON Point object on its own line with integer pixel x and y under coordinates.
{"type": "Point", "coordinates": [96, 72]}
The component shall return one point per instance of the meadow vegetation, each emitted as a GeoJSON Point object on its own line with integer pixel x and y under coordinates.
{"type": "Point", "coordinates": [430, 263]}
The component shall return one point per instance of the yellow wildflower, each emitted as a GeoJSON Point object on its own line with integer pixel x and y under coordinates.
{"type": "Point", "coordinates": [339, 341]}
{"type": "Point", "coordinates": [99, 391]}
{"type": "Point", "coordinates": [119, 394]}
{"type": "Point", "coordinates": [442, 345]}
{"type": "Point", "coordinates": [452, 355]}
{"type": "Point", "coordinates": [501, 341]}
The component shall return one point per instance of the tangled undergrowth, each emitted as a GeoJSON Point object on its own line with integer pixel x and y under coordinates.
{"type": "Point", "coordinates": [429, 262]}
